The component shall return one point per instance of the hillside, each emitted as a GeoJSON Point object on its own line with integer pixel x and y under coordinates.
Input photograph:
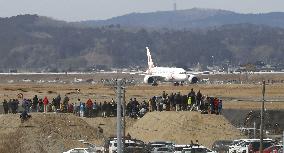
{"type": "Point", "coordinates": [34, 43]}
{"type": "Point", "coordinates": [191, 18]}
{"type": "Point", "coordinates": [182, 127]}
{"type": "Point", "coordinates": [45, 133]}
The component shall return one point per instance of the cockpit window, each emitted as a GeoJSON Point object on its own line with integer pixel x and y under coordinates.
{"type": "Point", "coordinates": [182, 72]}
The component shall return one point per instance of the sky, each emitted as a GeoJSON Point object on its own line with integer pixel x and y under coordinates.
{"type": "Point", "coordinates": [79, 10]}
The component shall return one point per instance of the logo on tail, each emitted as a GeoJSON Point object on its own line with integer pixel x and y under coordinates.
{"type": "Point", "coordinates": [150, 61]}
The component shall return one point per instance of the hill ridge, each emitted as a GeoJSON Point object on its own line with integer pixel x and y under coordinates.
{"type": "Point", "coordinates": [190, 18]}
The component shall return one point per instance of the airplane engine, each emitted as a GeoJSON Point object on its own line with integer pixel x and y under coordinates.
{"type": "Point", "coordinates": [192, 79]}
{"type": "Point", "coordinates": [149, 79]}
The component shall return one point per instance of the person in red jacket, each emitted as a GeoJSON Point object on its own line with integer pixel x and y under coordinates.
{"type": "Point", "coordinates": [45, 103]}
{"type": "Point", "coordinates": [216, 101]}
{"type": "Point", "coordinates": [89, 107]}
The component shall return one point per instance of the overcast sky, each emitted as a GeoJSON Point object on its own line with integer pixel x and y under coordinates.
{"type": "Point", "coordinates": [78, 10]}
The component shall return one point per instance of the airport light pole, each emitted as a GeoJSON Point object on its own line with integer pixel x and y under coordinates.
{"type": "Point", "coordinates": [213, 61]}
{"type": "Point", "coordinates": [261, 118]}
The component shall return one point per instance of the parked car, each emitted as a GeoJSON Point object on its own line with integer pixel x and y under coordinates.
{"type": "Point", "coordinates": [179, 148]}
{"type": "Point", "coordinates": [78, 150]}
{"type": "Point", "coordinates": [164, 149]}
{"type": "Point", "coordinates": [235, 145]}
{"type": "Point", "coordinates": [221, 146]}
{"type": "Point", "coordinates": [158, 144]}
{"type": "Point", "coordinates": [197, 149]}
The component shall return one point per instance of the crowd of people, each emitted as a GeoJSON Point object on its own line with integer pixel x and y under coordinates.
{"type": "Point", "coordinates": [176, 102]}
{"type": "Point", "coordinates": [36, 105]}
{"type": "Point", "coordinates": [80, 108]}
{"type": "Point", "coordinates": [190, 102]}
{"type": "Point", "coordinates": [165, 102]}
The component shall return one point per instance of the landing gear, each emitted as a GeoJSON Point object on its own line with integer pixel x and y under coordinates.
{"type": "Point", "coordinates": [154, 83]}
{"type": "Point", "coordinates": [178, 84]}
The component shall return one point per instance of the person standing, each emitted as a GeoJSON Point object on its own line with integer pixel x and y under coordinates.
{"type": "Point", "coordinates": [193, 96]}
{"type": "Point", "coordinates": [189, 104]}
{"type": "Point", "coordinates": [57, 102]}
{"type": "Point", "coordinates": [104, 109]}
{"type": "Point", "coordinates": [40, 105]}
{"type": "Point", "coordinates": [178, 101]}
{"type": "Point", "coordinates": [65, 103]}
{"type": "Point", "coordinates": [82, 109]}
{"type": "Point", "coordinates": [35, 103]}
{"type": "Point", "coordinates": [95, 109]}
{"type": "Point", "coordinates": [25, 104]}
{"type": "Point", "coordinates": [5, 106]}
{"type": "Point", "coordinates": [45, 103]}
{"type": "Point", "coordinates": [198, 99]}
{"type": "Point", "coordinates": [89, 107]}
{"type": "Point", "coordinates": [220, 105]}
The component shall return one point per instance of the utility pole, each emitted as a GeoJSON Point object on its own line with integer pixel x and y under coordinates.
{"type": "Point", "coordinates": [118, 120]}
{"type": "Point", "coordinates": [283, 142]}
{"type": "Point", "coordinates": [254, 130]}
{"type": "Point", "coordinates": [261, 119]}
{"type": "Point", "coordinates": [124, 121]}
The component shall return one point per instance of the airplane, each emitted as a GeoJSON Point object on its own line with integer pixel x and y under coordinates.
{"type": "Point", "coordinates": [166, 74]}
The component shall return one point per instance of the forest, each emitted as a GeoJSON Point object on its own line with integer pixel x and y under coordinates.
{"type": "Point", "coordinates": [32, 42]}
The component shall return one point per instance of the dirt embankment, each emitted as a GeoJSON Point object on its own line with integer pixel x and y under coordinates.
{"type": "Point", "coordinates": [182, 127]}
{"type": "Point", "coordinates": [44, 133]}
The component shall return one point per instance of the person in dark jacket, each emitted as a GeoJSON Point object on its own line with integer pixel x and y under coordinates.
{"type": "Point", "coordinates": [198, 99]}
{"type": "Point", "coordinates": [40, 105]}
{"type": "Point", "coordinates": [65, 103]}
{"type": "Point", "coordinates": [5, 106]}
{"type": "Point", "coordinates": [178, 101]}
{"type": "Point", "coordinates": [14, 106]}
{"type": "Point", "coordinates": [35, 103]}
{"type": "Point", "coordinates": [104, 109]}
{"type": "Point", "coordinates": [171, 101]}
{"type": "Point", "coordinates": [57, 102]}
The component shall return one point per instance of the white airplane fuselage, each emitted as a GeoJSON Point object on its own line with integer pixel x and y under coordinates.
{"type": "Point", "coordinates": [169, 74]}
{"type": "Point", "coordinates": [166, 74]}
